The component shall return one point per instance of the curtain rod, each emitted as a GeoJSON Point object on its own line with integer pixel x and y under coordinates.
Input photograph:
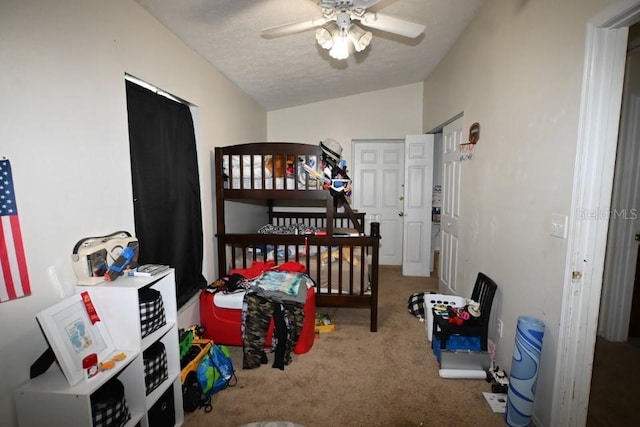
{"type": "Point", "coordinates": [154, 89]}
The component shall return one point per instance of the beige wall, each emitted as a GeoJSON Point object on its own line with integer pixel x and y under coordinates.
{"type": "Point", "coordinates": [517, 70]}
{"type": "Point", "coordinates": [384, 114]}
{"type": "Point", "coordinates": [64, 128]}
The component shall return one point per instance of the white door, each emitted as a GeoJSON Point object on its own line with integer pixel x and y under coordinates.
{"type": "Point", "coordinates": [450, 213]}
{"type": "Point", "coordinates": [378, 191]}
{"type": "Point", "coordinates": [418, 179]}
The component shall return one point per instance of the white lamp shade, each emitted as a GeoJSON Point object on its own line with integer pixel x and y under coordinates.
{"type": "Point", "coordinates": [324, 38]}
{"type": "Point", "coordinates": [359, 37]}
{"type": "Point", "coordinates": [336, 39]}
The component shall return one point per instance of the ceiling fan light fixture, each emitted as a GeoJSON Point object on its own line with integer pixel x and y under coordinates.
{"type": "Point", "coordinates": [327, 35]}
{"type": "Point", "coordinates": [340, 49]}
{"type": "Point", "coordinates": [359, 37]}
{"type": "Point", "coordinates": [336, 40]}
{"type": "Point", "coordinates": [324, 38]}
{"type": "Point", "coordinates": [336, 29]}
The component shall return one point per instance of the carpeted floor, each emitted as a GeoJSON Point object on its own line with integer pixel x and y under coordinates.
{"type": "Point", "coordinates": [611, 402]}
{"type": "Point", "coordinates": [357, 378]}
{"type": "Point", "coordinates": [390, 378]}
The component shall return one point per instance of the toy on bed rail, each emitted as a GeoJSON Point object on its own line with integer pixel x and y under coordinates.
{"type": "Point", "coordinates": [315, 174]}
{"type": "Point", "coordinates": [340, 181]}
{"type": "Point", "coordinates": [334, 178]}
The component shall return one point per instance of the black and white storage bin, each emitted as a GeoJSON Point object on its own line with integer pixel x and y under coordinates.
{"type": "Point", "coordinates": [163, 412]}
{"type": "Point", "coordinates": [109, 406]}
{"type": "Point", "coordinates": [155, 366]}
{"type": "Point", "coordinates": [152, 315]}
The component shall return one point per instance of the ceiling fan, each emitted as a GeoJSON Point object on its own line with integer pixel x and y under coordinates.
{"type": "Point", "coordinates": [336, 27]}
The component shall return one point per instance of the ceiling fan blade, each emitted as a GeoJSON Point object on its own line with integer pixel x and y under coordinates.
{"type": "Point", "coordinates": [355, 4]}
{"type": "Point", "coordinates": [393, 25]}
{"type": "Point", "coordinates": [291, 28]}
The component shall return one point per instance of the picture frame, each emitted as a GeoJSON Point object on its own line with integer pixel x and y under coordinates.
{"type": "Point", "coordinates": [72, 336]}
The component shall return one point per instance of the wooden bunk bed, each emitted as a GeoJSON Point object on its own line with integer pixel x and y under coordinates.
{"type": "Point", "coordinates": [344, 268]}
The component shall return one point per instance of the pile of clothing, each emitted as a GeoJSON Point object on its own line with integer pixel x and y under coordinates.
{"type": "Point", "coordinates": [271, 292]}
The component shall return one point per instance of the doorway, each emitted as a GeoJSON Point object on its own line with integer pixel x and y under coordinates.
{"type": "Point", "coordinates": [616, 308]}
{"type": "Point", "coordinates": [606, 44]}
{"type": "Point", "coordinates": [619, 310]}
{"type": "Point", "coordinates": [380, 164]}
{"type": "Point", "coordinates": [393, 186]}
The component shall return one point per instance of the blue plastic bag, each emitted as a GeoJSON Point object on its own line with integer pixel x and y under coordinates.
{"type": "Point", "coordinates": [215, 373]}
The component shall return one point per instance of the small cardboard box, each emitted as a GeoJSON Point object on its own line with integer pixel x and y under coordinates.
{"type": "Point", "coordinates": [324, 323]}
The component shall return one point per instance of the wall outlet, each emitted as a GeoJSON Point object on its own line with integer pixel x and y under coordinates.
{"type": "Point", "coordinates": [500, 328]}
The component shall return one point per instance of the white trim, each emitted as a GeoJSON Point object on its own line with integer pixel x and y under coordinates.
{"type": "Point", "coordinates": [603, 76]}
{"type": "Point", "coordinates": [622, 14]}
{"type": "Point", "coordinates": [154, 89]}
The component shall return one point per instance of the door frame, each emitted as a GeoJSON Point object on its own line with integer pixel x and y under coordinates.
{"type": "Point", "coordinates": [601, 95]}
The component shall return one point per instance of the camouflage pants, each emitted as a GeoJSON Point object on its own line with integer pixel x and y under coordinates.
{"type": "Point", "coordinates": [256, 316]}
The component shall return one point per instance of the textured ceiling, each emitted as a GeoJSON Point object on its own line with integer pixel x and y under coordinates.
{"type": "Point", "coordinates": [294, 70]}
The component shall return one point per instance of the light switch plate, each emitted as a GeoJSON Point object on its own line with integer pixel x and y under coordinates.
{"type": "Point", "coordinates": [559, 225]}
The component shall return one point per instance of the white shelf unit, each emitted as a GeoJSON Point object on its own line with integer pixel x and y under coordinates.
{"type": "Point", "coordinates": [49, 396]}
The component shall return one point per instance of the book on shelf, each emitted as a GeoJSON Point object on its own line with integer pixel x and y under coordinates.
{"type": "Point", "coordinates": [148, 270]}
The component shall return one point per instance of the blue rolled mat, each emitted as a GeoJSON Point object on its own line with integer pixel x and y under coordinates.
{"type": "Point", "coordinates": [524, 371]}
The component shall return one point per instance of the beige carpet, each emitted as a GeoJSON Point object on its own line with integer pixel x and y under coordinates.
{"type": "Point", "coordinates": [614, 400]}
{"type": "Point", "coordinates": [352, 377]}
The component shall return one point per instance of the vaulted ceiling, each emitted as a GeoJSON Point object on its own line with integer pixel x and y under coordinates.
{"type": "Point", "coordinates": [294, 70]}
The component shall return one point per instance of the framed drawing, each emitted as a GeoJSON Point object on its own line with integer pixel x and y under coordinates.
{"type": "Point", "coordinates": [74, 331]}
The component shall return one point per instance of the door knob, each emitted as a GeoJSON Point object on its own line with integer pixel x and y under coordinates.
{"type": "Point", "coordinates": [401, 198]}
{"type": "Point", "coordinates": [637, 237]}
{"type": "Point", "coordinates": [401, 214]}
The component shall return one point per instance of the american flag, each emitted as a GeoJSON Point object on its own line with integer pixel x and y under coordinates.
{"type": "Point", "coordinates": [14, 277]}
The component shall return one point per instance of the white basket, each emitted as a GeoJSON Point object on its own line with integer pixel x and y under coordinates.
{"type": "Point", "coordinates": [431, 300]}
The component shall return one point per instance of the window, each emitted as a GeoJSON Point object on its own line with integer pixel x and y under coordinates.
{"type": "Point", "coordinates": [166, 186]}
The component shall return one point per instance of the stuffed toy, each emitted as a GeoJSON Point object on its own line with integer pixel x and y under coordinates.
{"type": "Point", "coordinates": [346, 255]}
{"type": "Point", "coordinates": [336, 179]}
{"type": "Point", "coordinates": [473, 308]}
{"type": "Point", "coordinates": [279, 166]}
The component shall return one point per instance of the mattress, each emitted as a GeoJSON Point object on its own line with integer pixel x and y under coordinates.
{"type": "Point", "coordinates": [329, 270]}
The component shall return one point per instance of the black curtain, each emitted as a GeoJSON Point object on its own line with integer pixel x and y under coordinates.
{"type": "Point", "coordinates": [166, 187]}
